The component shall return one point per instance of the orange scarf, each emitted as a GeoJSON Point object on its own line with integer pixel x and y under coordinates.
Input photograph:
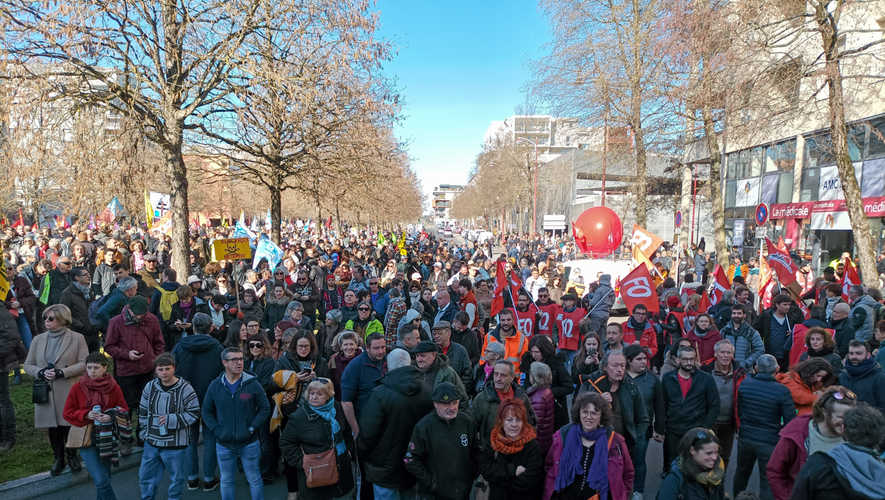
{"type": "Point", "coordinates": [509, 446]}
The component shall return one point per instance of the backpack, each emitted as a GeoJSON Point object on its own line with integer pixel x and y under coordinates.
{"type": "Point", "coordinates": [167, 300]}
{"type": "Point", "coordinates": [96, 306]}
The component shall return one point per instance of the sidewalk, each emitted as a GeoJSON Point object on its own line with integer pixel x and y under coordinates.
{"type": "Point", "coordinates": [44, 484]}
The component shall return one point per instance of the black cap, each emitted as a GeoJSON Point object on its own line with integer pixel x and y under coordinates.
{"type": "Point", "coordinates": [445, 392]}
{"type": "Point", "coordinates": [425, 346]}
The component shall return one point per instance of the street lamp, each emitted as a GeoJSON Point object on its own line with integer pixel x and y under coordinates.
{"type": "Point", "coordinates": [535, 188]}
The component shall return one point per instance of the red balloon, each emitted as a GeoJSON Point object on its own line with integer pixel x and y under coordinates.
{"type": "Point", "coordinates": [598, 231]}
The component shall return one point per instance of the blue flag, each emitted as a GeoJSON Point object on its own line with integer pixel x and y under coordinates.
{"type": "Point", "coordinates": [266, 249]}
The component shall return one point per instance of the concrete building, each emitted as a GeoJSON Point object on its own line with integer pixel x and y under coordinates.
{"type": "Point", "coordinates": [442, 201]}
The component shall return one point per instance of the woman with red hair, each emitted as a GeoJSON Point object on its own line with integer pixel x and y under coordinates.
{"type": "Point", "coordinates": [513, 465]}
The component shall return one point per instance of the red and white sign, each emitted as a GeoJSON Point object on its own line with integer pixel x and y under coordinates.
{"type": "Point", "coordinates": [873, 207]}
{"type": "Point", "coordinates": [638, 288]}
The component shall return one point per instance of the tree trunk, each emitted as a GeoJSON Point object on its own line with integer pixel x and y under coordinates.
{"type": "Point", "coordinates": [276, 207]}
{"type": "Point", "coordinates": [178, 187]}
{"type": "Point", "coordinates": [860, 224]}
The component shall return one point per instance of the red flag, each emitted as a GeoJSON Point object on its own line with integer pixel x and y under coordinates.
{"type": "Point", "coordinates": [782, 264]}
{"type": "Point", "coordinates": [638, 288]}
{"type": "Point", "coordinates": [705, 303]}
{"type": "Point", "coordinates": [720, 285]}
{"type": "Point", "coordinates": [500, 285]}
{"type": "Point", "coordinates": [849, 278]}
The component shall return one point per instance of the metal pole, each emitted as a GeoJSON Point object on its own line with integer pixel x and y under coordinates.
{"type": "Point", "coordinates": [535, 195]}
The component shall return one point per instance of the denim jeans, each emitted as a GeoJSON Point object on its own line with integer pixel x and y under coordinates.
{"type": "Point", "coordinates": [154, 462]}
{"type": "Point", "coordinates": [210, 460]}
{"type": "Point", "coordinates": [382, 493]}
{"type": "Point", "coordinates": [227, 462]}
{"type": "Point", "coordinates": [749, 452]}
{"type": "Point", "coordinates": [24, 329]}
{"type": "Point", "coordinates": [100, 470]}
{"type": "Point", "coordinates": [7, 410]}
{"type": "Point", "coordinates": [639, 464]}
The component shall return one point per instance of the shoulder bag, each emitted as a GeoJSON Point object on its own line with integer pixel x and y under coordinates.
{"type": "Point", "coordinates": [321, 469]}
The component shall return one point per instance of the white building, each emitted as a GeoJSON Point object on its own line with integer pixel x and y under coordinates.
{"type": "Point", "coordinates": [442, 201]}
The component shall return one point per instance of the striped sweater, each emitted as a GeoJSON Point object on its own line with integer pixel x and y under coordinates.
{"type": "Point", "coordinates": [181, 407]}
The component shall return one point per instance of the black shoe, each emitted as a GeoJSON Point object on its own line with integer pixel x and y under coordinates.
{"type": "Point", "coordinates": [74, 462]}
{"type": "Point", "coordinates": [193, 485]}
{"type": "Point", "coordinates": [57, 467]}
{"type": "Point", "coordinates": [211, 485]}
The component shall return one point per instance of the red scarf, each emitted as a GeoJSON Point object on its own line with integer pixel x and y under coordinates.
{"type": "Point", "coordinates": [98, 391]}
{"type": "Point", "coordinates": [509, 446]}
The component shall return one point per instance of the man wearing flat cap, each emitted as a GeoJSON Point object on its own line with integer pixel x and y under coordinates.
{"type": "Point", "coordinates": [444, 451]}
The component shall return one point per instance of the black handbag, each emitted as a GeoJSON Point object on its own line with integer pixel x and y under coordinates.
{"type": "Point", "coordinates": [41, 390]}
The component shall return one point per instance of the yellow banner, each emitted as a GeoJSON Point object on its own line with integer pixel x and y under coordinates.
{"type": "Point", "coordinates": [231, 249]}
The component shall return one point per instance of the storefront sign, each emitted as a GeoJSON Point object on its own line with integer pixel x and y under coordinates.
{"type": "Point", "coordinates": [873, 207]}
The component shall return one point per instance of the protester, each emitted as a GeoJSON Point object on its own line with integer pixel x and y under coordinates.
{"type": "Point", "coordinates": [168, 409]}
{"type": "Point", "coordinates": [315, 428]}
{"type": "Point", "coordinates": [513, 464]}
{"type": "Point", "coordinates": [111, 423]}
{"type": "Point", "coordinates": [57, 361]}
{"type": "Point", "coordinates": [587, 457]}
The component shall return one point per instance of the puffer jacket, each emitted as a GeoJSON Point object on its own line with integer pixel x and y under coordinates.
{"type": "Point", "coordinates": [397, 404]}
{"type": "Point", "coordinates": [863, 317]}
{"type": "Point", "coordinates": [543, 403]}
{"type": "Point", "coordinates": [747, 342]}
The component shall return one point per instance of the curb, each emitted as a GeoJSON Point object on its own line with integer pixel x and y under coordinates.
{"type": "Point", "coordinates": [42, 483]}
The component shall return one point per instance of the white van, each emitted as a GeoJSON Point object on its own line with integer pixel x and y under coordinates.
{"type": "Point", "coordinates": [590, 269]}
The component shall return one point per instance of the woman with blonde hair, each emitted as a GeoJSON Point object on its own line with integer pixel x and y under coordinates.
{"type": "Point", "coordinates": [56, 360]}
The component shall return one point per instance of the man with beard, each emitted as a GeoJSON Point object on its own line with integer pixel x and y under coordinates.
{"type": "Point", "coordinates": [863, 375]}
{"type": "Point", "coordinates": [515, 343]}
{"type": "Point", "coordinates": [443, 452]}
{"type": "Point", "coordinates": [435, 370]}
{"type": "Point", "coordinates": [819, 431]}
{"type": "Point", "coordinates": [526, 315]}
{"type": "Point", "coordinates": [690, 397]}
{"type": "Point", "coordinates": [747, 342]}
{"type": "Point", "coordinates": [763, 403]}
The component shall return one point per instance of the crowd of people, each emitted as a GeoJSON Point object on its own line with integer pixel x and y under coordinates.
{"type": "Point", "coordinates": [367, 366]}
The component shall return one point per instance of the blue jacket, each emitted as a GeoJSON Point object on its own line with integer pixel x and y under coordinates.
{"type": "Point", "coordinates": [199, 361]}
{"type": "Point", "coordinates": [358, 381]}
{"type": "Point", "coordinates": [229, 416]}
{"type": "Point", "coordinates": [763, 403]}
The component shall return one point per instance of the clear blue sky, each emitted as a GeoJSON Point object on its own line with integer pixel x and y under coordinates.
{"type": "Point", "coordinates": [460, 66]}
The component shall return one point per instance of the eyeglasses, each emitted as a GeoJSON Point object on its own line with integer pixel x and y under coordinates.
{"type": "Point", "coordinates": [253, 345]}
{"type": "Point", "coordinates": [235, 360]}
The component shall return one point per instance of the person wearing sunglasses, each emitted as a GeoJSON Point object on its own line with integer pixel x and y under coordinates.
{"type": "Point", "coordinates": [698, 472]}
{"type": "Point", "coordinates": [59, 358]}
{"type": "Point", "coordinates": [820, 431]}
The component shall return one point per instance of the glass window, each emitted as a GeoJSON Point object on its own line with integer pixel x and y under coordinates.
{"type": "Point", "coordinates": [810, 187]}
{"type": "Point", "coordinates": [819, 151]}
{"type": "Point", "coordinates": [877, 138]}
{"type": "Point", "coordinates": [785, 188]}
{"type": "Point", "coordinates": [730, 193]}
{"type": "Point", "coordinates": [781, 157]}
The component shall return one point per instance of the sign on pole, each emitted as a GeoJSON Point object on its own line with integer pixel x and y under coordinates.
{"type": "Point", "coordinates": [232, 249]}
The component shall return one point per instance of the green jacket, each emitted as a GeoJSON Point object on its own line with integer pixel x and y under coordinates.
{"type": "Point", "coordinates": [374, 326]}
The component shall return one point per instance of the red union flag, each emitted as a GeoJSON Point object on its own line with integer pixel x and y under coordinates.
{"type": "Point", "coordinates": [782, 264]}
{"type": "Point", "coordinates": [638, 288]}
{"type": "Point", "coordinates": [849, 278]}
{"type": "Point", "coordinates": [719, 286]}
{"type": "Point", "coordinates": [500, 286]}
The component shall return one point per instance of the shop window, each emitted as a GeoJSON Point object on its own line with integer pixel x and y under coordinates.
{"type": "Point", "coordinates": [785, 188]}
{"type": "Point", "coordinates": [730, 193]}
{"type": "Point", "coordinates": [819, 151]}
{"type": "Point", "coordinates": [781, 157]}
{"type": "Point", "coordinates": [809, 185]}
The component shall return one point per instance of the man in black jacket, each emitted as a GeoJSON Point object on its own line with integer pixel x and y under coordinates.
{"type": "Point", "coordinates": [78, 297]}
{"type": "Point", "coordinates": [763, 403]}
{"type": "Point", "coordinates": [443, 453]}
{"type": "Point", "coordinates": [691, 399]}
{"type": "Point", "coordinates": [398, 402]}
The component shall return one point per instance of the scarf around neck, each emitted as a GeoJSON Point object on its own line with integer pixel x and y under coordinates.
{"type": "Point", "coordinates": [509, 446]}
{"type": "Point", "coordinates": [570, 460]}
{"type": "Point", "coordinates": [327, 412]}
